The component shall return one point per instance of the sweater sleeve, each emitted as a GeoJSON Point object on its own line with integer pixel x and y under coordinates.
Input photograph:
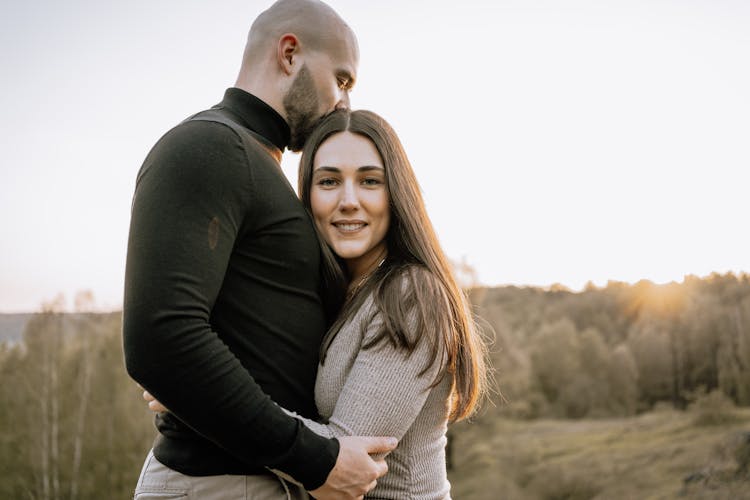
{"type": "Point", "coordinates": [192, 197]}
{"type": "Point", "coordinates": [384, 391]}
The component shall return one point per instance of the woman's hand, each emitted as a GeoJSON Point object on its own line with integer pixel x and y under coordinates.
{"type": "Point", "coordinates": [153, 404]}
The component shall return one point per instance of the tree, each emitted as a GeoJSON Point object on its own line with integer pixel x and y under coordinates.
{"type": "Point", "coordinates": [623, 381]}
{"type": "Point", "coordinates": [555, 360]}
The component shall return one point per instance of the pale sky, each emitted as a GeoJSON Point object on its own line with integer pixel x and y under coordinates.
{"type": "Point", "coordinates": [555, 141]}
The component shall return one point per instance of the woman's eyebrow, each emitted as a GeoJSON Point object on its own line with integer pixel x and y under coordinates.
{"type": "Point", "coordinates": [363, 168]}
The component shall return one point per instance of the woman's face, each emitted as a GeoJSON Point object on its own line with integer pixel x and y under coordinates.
{"type": "Point", "coordinates": [349, 199]}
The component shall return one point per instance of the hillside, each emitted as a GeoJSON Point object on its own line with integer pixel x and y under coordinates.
{"type": "Point", "coordinates": [658, 455]}
{"type": "Point", "coordinates": [12, 325]}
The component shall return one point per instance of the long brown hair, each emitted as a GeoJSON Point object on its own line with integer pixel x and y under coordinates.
{"type": "Point", "coordinates": [431, 307]}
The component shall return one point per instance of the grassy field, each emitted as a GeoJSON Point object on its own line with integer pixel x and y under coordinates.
{"type": "Point", "coordinates": [658, 455]}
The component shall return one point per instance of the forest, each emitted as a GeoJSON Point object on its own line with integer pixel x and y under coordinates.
{"type": "Point", "coordinates": [619, 368]}
{"type": "Point", "coordinates": [620, 349]}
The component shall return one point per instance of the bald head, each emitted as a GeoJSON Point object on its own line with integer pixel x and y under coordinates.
{"type": "Point", "coordinates": [301, 59]}
{"type": "Point", "coordinates": [317, 26]}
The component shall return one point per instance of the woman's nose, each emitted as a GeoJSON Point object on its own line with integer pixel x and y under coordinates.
{"type": "Point", "coordinates": [349, 199]}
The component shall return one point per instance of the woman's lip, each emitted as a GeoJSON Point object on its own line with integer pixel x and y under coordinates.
{"type": "Point", "coordinates": [348, 221]}
{"type": "Point", "coordinates": [349, 226]}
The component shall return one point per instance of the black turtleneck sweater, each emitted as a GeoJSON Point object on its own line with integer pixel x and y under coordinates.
{"type": "Point", "coordinates": [222, 314]}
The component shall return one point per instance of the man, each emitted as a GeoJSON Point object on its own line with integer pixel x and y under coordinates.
{"type": "Point", "coordinates": [222, 317]}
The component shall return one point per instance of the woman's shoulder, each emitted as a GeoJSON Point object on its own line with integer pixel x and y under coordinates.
{"type": "Point", "coordinates": [411, 301]}
{"type": "Point", "coordinates": [418, 285]}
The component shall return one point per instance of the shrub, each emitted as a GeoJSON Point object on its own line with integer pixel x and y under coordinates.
{"type": "Point", "coordinates": [565, 482]}
{"type": "Point", "coordinates": [714, 408]}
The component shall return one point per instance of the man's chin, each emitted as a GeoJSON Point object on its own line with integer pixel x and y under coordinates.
{"type": "Point", "coordinates": [297, 143]}
{"type": "Point", "coordinates": [298, 140]}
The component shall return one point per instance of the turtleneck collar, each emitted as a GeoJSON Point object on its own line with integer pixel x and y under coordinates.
{"type": "Point", "coordinates": [257, 116]}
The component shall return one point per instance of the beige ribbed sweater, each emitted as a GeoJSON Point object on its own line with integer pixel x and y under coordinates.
{"type": "Point", "coordinates": [378, 392]}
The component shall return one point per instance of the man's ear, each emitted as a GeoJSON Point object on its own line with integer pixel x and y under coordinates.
{"type": "Point", "coordinates": [287, 52]}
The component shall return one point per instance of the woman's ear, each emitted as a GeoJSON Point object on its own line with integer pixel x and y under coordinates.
{"type": "Point", "coordinates": [287, 52]}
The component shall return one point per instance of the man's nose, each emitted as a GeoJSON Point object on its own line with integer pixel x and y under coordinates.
{"type": "Point", "coordinates": [344, 101]}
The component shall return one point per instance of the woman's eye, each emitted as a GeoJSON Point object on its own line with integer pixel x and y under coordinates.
{"type": "Point", "coordinates": [327, 182]}
{"type": "Point", "coordinates": [371, 181]}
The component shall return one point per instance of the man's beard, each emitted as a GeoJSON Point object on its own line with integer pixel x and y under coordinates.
{"type": "Point", "coordinates": [301, 106]}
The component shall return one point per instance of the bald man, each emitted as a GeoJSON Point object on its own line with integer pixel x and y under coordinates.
{"type": "Point", "coordinates": [222, 315]}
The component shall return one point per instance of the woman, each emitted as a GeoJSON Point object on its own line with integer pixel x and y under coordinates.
{"type": "Point", "coordinates": [403, 357]}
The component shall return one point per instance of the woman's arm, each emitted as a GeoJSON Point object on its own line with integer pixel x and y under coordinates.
{"type": "Point", "coordinates": [384, 391]}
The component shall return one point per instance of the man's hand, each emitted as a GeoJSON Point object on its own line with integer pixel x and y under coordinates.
{"type": "Point", "coordinates": [356, 472]}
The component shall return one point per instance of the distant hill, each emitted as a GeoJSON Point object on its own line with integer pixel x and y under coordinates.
{"type": "Point", "coordinates": [12, 325]}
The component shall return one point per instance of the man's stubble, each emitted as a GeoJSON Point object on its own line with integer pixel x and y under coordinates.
{"type": "Point", "coordinates": [302, 106]}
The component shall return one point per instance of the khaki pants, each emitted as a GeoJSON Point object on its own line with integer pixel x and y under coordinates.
{"type": "Point", "coordinates": [159, 482]}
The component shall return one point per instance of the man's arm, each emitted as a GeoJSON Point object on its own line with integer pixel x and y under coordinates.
{"type": "Point", "coordinates": [356, 470]}
{"type": "Point", "coordinates": [188, 207]}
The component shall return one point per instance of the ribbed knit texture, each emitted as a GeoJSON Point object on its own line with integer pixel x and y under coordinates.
{"type": "Point", "coordinates": [379, 392]}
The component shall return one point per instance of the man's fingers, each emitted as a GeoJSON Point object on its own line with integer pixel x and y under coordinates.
{"type": "Point", "coordinates": [157, 406]}
{"type": "Point", "coordinates": [382, 468]}
{"type": "Point", "coordinates": [380, 444]}
{"type": "Point", "coordinates": [153, 404]}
